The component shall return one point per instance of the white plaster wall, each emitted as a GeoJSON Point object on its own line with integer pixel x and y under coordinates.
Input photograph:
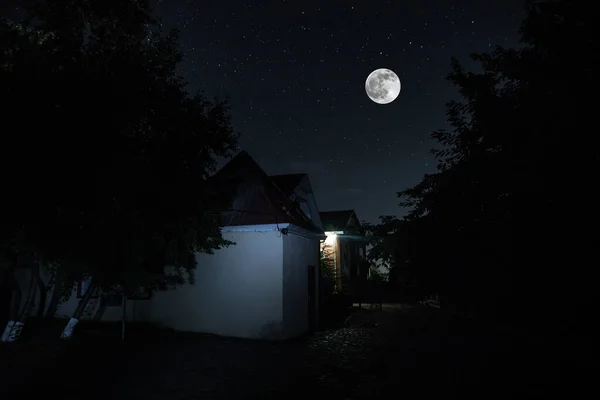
{"type": "Point", "coordinates": [238, 291]}
{"type": "Point", "coordinates": [298, 253]}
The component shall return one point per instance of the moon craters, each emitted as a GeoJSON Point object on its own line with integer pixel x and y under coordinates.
{"type": "Point", "coordinates": [382, 86]}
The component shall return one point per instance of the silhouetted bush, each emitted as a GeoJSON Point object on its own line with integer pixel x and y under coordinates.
{"type": "Point", "coordinates": [333, 309]}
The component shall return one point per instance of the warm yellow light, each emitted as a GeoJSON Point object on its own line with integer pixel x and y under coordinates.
{"type": "Point", "coordinates": [330, 240]}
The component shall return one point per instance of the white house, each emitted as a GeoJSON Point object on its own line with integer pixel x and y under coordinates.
{"type": "Point", "coordinates": [265, 286]}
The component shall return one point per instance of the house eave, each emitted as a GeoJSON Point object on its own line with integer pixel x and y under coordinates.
{"type": "Point", "coordinates": [255, 228]}
{"type": "Point", "coordinates": [296, 230]}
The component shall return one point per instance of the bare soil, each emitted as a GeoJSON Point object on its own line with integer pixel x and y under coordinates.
{"type": "Point", "coordinates": [376, 354]}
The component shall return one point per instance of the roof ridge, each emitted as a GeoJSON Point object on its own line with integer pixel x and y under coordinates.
{"type": "Point", "coordinates": [242, 167]}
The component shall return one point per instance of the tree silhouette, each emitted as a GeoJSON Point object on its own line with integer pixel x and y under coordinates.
{"type": "Point", "coordinates": [487, 227]}
{"type": "Point", "coordinates": [105, 155]}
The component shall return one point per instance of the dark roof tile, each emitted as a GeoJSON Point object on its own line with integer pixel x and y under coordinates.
{"type": "Point", "coordinates": [258, 200]}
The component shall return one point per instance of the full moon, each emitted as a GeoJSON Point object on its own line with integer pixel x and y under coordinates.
{"type": "Point", "coordinates": [382, 86]}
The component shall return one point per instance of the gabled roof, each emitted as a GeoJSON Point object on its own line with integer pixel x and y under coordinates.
{"type": "Point", "coordinates": [287, 183]}
{"type": "Point", "coordinates": [298, 189]}
{"type": "Point", "coordinates": [257, 200]}
{"type": "Point", "coordinates": [337, 220]}
{"type": "Point", "coordinates": [239, 167]}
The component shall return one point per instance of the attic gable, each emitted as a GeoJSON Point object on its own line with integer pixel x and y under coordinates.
{"type": "Point", "coordinates": [288, 183]}
{"type": "Point", "coordinates": [256, 199]}
{"type": "Point", "coordinates": [298, 189]}
{"type": "Point", "coordinates": [340, 220]}
{"type": "Point", "coordinates": [240, 167]}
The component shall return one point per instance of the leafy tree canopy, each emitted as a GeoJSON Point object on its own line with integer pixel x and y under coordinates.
{"type": "Point", "coordinates": [105, 157]}
{"type": "Point", "coordinates": [482, 230]}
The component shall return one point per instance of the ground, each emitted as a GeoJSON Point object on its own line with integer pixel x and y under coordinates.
{"type": "Point", "coordinates": [406, 349]}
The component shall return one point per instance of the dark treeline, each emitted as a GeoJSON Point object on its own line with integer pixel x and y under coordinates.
{"type": "Point", "coordinates": [104, 156]}
{"type": "Point", "coordinates": [500, 231]}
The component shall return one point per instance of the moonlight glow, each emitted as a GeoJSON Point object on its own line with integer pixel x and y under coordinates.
{"type": "Point", "coordinates": [382, 86]}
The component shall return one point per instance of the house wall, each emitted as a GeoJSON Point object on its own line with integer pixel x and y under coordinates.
{"type": "Point", "coordinates": [333, 253]}
{"type": "Point", "coordinates": [349, 249]}
{"type": "Point", "coordinates": [257, 288]}
{"type": "Point", "coordinates": [338, 264]}
{"type": "Point", "coordinates": [345, 254]}
{"type": "Point", "coordinates": [237, 291]}
{"type": "Point", "coordinates": [299, 251]}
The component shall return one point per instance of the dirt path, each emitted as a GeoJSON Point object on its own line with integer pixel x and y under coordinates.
{"type": "Point", "coordinates": [400, 350]}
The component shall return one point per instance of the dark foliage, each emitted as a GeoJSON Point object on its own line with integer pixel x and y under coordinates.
{"type": "Point", "coordinates": [492, 230]}
{"type": "Point", "coordinates": [104, 155]}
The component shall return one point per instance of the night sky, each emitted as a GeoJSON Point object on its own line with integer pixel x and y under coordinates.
{"type": "Point", "coordinates": [295, 71]}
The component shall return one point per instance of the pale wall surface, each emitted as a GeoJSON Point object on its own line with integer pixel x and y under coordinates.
{"type": "Point", "coordinates": [238, 291]}
{"type": "Point", "coordinates": [257, 288]}
{"type": "Point", "coordinates": [298, 253]}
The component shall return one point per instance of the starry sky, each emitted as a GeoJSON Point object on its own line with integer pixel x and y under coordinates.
{"type": "Point", "coordinates": [295, 72]}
